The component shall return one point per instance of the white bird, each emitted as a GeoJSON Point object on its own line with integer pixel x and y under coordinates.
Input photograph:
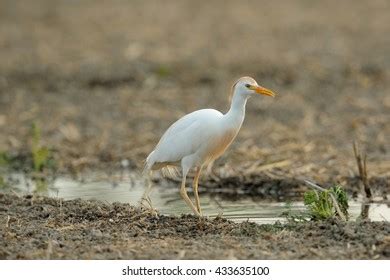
{"type": "Point", "coordinates": [200, 137]}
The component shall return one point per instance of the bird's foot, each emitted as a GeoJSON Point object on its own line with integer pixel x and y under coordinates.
{"type": "Point", "coordinates": [198, 214]}
{"type": "Point", "coordinates": [199, 211]}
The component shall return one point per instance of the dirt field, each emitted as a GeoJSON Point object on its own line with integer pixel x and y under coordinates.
{"type": "Point", "coordinates": [39, 228]}
{"type": "Point", "coordinates": [104, 79]}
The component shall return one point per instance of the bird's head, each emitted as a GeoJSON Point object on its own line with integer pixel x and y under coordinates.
{"type": "Point", "coordinates": [247, 87]}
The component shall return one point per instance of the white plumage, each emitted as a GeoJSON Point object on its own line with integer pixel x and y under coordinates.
{"type": "Point", "coordinates": [198, 126]}
{"type": "Point", "coordinates": [200, 137]}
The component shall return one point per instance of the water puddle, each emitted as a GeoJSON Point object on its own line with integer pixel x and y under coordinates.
{"type": "Point", "coordinates": [129, 188]}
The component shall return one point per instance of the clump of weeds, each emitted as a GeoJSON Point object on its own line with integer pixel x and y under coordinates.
{"type": "Point", "coordinates": [38, 159]}
{"type": "Point", "coordinates": [37, 163]}
{"type": "Point", "coordinates": [321, 204]}
{"type": "Point", "coordinates": [324, 204]}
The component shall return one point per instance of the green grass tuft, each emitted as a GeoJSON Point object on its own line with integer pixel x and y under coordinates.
{"type": "Point", "coordinates": [321, 205]}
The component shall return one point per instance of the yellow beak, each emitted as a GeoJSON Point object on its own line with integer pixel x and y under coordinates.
{"type": "Point", "coordinates": [262, 90]}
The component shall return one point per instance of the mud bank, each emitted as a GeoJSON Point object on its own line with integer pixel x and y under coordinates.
{"type": "Point", "coordinates": [44, 228]}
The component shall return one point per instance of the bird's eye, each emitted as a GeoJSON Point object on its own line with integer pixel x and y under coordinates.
{"type": "Point", "coordinates": [248, 85]}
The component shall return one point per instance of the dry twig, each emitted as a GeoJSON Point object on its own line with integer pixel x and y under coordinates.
{"type": "Point", "coordinates": [362, 167]}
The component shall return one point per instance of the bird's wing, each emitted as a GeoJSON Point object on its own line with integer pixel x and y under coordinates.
{"type": "Point", "coordinates": [185, 136]}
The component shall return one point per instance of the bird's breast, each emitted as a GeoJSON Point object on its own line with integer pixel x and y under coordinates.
{"type": "Point", "coordinates": [219, 144]}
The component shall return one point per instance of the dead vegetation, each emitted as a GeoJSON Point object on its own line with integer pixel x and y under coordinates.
{"type": "Point", "coordinates": [361, 161]}
{"type": "Point", "coordinates": [104, 93]}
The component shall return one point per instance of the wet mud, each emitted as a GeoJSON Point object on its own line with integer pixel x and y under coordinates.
{"type": "Point", "coordinates": [38, 228]}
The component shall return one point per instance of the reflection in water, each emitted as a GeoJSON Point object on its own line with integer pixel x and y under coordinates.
{"type": "Point", "coordinates": [129, 189]}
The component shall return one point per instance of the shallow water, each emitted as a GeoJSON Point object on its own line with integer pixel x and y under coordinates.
{"type": "Point", "coordinates": [129, 188]}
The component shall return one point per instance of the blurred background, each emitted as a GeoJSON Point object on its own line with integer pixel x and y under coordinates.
{"type": "Point", "coordinates": [103, 80]}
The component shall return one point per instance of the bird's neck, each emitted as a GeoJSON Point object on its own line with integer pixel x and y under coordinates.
{"type": "Point", "coordinates": [236, 113]}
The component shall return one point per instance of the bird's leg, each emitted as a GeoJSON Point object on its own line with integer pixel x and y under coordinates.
{"type": "Point", "coordinates": [184, 195]}
{"type": "Point", "coordinates": [146, 195]}
{"type": "Point", "coordinates": [195, 188]}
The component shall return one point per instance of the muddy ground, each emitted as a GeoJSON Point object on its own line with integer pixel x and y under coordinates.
{"type": "Point", "coordinates": [104, 79]}
{"type": "Point", "coordinates": [39, 228]}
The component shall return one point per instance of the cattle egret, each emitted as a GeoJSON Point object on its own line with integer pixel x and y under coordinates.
{"type": "Point", "coordinates": [202, 136]}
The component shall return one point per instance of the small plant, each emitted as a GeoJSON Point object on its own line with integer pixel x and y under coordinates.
{"type": "Point", "coordinates": [40, 154]}
{"type": "Point", "coordinates": [41, 185]}
{"type": "Point", "coordinates": [163, 71]}
{"type": "Point", "coordinates": [327, 203]}
{"type": "Point", "coordinates": [4, 159]}
{"type": "Point", "coordinates": [3, 163]}
{"type": "Point", "coordinates": [3, 184]}
{"type": "Point", "coordinates": [42, 161]}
